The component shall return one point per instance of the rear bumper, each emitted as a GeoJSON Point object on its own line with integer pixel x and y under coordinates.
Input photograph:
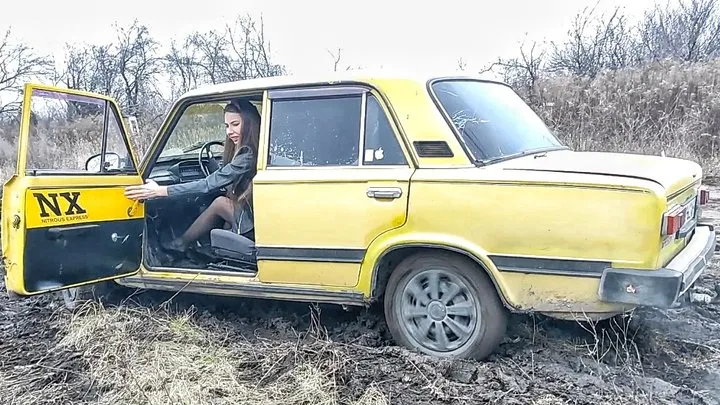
{"type": "Point", "coordinates": [662, 287]}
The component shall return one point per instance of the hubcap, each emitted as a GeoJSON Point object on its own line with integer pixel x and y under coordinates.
{"type": "Point", "coordinates": [438, 311]}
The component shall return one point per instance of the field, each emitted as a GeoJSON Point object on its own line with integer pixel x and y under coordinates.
{"type": "Point", "coordinates": [146, 347]}
{"type": "Point", "coordinates": [649, 86]}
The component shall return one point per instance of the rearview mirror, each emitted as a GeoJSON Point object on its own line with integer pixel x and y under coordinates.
{"type": "Point", "coordinates": [112, 162]}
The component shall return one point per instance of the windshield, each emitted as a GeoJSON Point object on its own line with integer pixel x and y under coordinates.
{"type": "Point", "coordinates": [199, 123]}
{"type": "Point", "coordinates": [493, 121]}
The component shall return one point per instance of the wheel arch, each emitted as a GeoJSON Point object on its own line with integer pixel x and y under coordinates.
{"type": "Point", "coordinates": [390, 257]}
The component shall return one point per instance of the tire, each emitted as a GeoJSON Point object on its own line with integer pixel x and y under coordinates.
{"type": "Point", "coordinates": [476, 338]}
{"type": "Point", "coordinates": [73, 297]}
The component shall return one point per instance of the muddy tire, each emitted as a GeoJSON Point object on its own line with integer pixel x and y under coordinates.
{"type": "Point", "coordinates": [444, 305]}
{"type": "Point", "coordinates": [71, 297]}
{"type": "Point", "coordinates": [74, 297]}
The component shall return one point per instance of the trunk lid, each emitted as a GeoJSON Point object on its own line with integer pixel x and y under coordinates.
{"type": "Point", "coordinates": [674, 175]}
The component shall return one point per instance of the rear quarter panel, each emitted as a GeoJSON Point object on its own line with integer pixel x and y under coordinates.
{"type": "Point", "coordinates": [488, 212]}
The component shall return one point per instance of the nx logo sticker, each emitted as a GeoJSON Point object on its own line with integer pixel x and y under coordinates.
{"type": "Point", "coordinates": [60, 207]}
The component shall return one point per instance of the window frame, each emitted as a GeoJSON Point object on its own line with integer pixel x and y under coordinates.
{"type": "Point", "coordinates": [334, 92]}
{"type": "Point", "coordinates": [176, 112]}
{"type": "Point", "coordinates": [395, 133]}
{"type": "Point", "coordinates": [110, 110]}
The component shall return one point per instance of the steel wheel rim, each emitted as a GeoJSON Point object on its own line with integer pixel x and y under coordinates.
{"type": "Point", "coordinates": [437, 310]}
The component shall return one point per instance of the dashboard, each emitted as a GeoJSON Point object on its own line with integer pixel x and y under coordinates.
{"type": "Point", "coordinates": [182, 169]}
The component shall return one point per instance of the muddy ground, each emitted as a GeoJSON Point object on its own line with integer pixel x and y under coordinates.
{"type": "Point", "coordinates": [134, 347]}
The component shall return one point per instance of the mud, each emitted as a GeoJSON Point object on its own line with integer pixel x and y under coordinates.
{"type": "Point", "coordinates": [652, 356]}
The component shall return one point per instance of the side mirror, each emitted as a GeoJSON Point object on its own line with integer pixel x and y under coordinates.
{"type": "Point", "coordinates": [112, 162]}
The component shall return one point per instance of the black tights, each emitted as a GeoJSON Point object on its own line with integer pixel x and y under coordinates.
{"type": "Point", "coordinates": [220, 208]}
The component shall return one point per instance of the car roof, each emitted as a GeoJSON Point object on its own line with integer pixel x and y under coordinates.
{"type": "Point", "coordinates": [358, 76]}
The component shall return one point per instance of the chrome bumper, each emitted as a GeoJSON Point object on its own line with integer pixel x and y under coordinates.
{"type": "Point", "coordinates": [662, 287]}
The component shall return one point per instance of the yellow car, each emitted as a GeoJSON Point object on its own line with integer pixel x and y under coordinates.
{"type": "Point", "coordinates": [444, 198]}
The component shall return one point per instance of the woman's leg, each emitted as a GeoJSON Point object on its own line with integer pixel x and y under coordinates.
{"type": "Point", "coordinates": [220, 208]}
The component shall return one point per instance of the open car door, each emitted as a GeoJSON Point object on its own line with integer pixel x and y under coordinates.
{"type": "Point", "coordinates": [65, 220]}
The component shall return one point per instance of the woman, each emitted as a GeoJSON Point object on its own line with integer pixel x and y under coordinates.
{"type": "Point", "coordinates": [242, 126]}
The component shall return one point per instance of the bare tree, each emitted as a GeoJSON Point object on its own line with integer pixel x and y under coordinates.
{"type": "Point", "coordinates": [595, 43]}
{"type": "Point", "coordinates": [181, 63]}
{"type": "Point", "coordinates": [689, 32]}
{"type": "Point", "coordinates": [249, 50]}
{"type": "Point", "coordinates": [461, 64]}
{"type": "Point", "coordinates": [523, 72]}
{"type": "Point", "coordinates": [138, 67]}
{"type": "Point", "coordinates": [238, 52]}
{"type": "Point", "coordinates": [213, 62]}
{"type": "Point", "coordinates": [128, 70]}
{"type": "Point", "coordinates": [18, 64]}
{"type": "Point", "coordinates": [91, 68]}
{"type": "Point", "coordinates": [337, 56]}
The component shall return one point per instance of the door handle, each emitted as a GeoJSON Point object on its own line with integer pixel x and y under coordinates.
{"type": "Point", "coordinates": [384, 192]}
{"type": "Point", "coordinates": [115, 237]}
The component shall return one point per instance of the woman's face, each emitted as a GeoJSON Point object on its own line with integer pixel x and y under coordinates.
{"type": "Point", "coordinates": [233, 125]}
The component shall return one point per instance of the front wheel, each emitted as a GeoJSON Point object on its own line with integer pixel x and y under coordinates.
{"type": "Point", "coordinates": [444, 305]}
{"type": "Point", "coordinates": [73, 297]}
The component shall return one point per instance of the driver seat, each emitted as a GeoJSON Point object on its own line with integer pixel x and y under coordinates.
{"type": "Point", "coordinates": [233, 247]}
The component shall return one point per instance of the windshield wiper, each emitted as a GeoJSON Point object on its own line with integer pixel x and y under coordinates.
{"type": "Point", "coordinates": [525, 153]}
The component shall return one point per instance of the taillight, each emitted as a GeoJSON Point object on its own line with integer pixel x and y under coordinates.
{"type": "Point", "coordinates": [704, 196]}
{"type": "Point", "coordinates": [674, 221]}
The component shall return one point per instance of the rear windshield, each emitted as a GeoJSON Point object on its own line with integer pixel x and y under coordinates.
{"type": "Point", "coordinates": [492, 120]}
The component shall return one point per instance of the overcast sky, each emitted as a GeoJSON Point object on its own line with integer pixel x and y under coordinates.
{"type": "Point", "coordinates": [372, 33]}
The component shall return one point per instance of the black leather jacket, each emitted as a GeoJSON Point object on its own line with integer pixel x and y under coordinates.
{"type": "Point", "coordinates": [240, 169]}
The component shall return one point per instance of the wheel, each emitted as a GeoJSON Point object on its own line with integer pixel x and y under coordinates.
{"type": "Point", "coordinates": [72, 297]}
{"type": "Point", "coordinates": [444, 305]}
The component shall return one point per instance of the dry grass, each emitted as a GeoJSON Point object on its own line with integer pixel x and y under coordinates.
{"type": "Point", "coordinates": [667, 107]}
{"type": "Point", "coordinates": [146, 356]}
{"type": "Point", "coordinates": [249, 353]}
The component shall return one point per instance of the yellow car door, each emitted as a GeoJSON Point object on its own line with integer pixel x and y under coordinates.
{"type": "Point", "coordinates": [65, 220]}
{"type": "Point", "coordinates": [336, 177]}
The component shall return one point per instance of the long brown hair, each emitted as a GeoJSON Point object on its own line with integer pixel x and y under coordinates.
{"type": "Point", "coordinates": [241, 190]}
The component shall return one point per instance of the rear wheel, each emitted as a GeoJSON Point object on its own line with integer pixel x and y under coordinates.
{"type": "Point", "coordinates": [444, 305]}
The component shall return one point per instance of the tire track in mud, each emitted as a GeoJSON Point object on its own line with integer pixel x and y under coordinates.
{"type": "Point", "coordinates": [32, 369]}
{"type": "Point", "coordinates": [658, 356]}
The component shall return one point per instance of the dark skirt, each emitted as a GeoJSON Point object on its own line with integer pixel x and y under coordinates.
{"type": "Point", "coordinates": [243, 223]}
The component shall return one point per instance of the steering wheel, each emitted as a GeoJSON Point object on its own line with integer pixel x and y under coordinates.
{"type": "Point", "coordinates": [212, 164]}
